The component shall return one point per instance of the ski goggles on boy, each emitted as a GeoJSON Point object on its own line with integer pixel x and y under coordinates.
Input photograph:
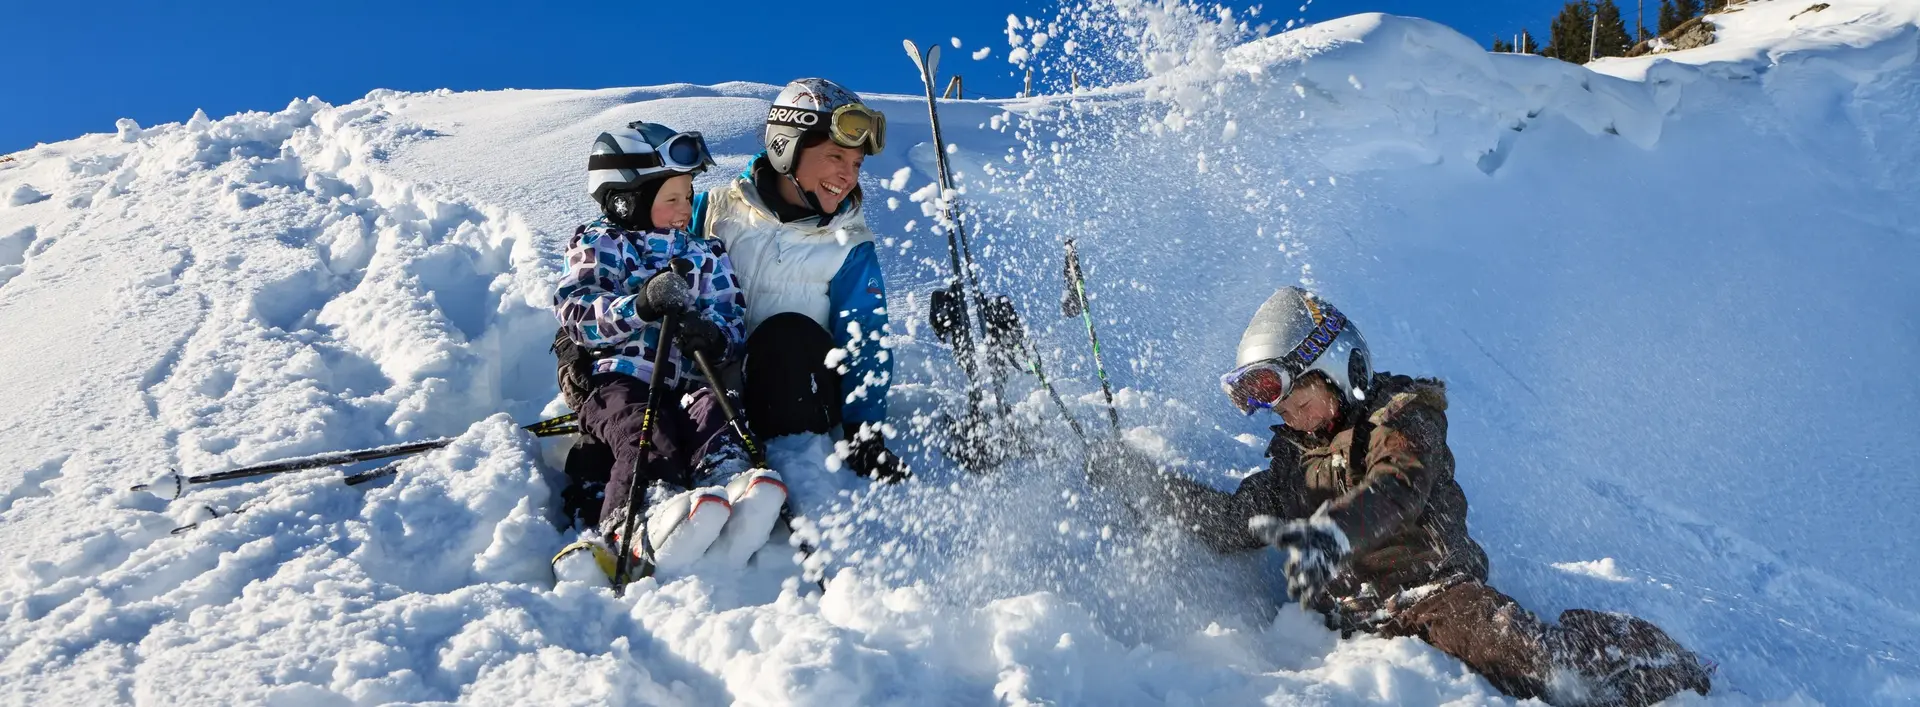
{"type": "Point", "coordinates": [850, 125]}
{"type": "Point", "coordinates": [684, 152]}
{"type": "Point", "coordinates": [1257, 386]}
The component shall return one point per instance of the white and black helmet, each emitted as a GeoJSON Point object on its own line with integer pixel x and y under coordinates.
{"type": "Point", "coordinates": [1292, 333]}
{"type": "Point", "coordinates": [627, 159]}
{"type": "Point", "coordinates": [823, 107]}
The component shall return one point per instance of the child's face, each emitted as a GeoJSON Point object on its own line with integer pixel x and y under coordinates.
{"type": "Point", "coordinates": [1311, 406]}
{"type": "Point", "coordinates": [673, 206]}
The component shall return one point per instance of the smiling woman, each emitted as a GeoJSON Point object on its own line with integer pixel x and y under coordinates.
{"type": "Point", "coordinates": [798, 235]}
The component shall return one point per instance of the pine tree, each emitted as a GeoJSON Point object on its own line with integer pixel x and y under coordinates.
{"type": "Point", "coordinates": [1571, 32]}
{"type": "Point", "coordinates": [1500, 46]}
{"type": "Point", "coordinates": [1527, 45]}
{"type": "Point", "coordinates": [1674, 13]}
{"type": "Point", "coordinates": [1612, 38]}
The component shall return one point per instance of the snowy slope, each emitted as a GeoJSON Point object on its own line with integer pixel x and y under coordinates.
{"type": "Point", "coordinates": [1670, 295]}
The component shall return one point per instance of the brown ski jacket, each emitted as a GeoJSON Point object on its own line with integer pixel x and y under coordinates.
{"type": "Point", "coordinates": [1402, 511]}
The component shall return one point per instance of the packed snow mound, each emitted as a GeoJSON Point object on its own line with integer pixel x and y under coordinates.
{"type": "Point", "coordinates": [1669, 294]}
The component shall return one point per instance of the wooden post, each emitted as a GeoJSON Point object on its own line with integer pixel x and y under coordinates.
{"type": "Point", "coordinates": [953, 87]}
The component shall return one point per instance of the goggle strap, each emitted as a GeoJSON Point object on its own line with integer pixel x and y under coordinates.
{"type": "Point", "coordinates": [793, 118]}
{"type": "Point", "coordinates": [640, 160]}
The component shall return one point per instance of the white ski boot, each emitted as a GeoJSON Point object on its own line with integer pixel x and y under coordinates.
{"type": "Point", "coordinates": [677, 529]}
{"type": "Point", "coordinates": [758, 496]}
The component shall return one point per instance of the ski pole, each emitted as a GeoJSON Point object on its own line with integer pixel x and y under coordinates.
{"type": "Point", "coordinates": [671, 295]}
{"type": "Point", "coordinates": [1033, 364]}
{"type": "Point", "coordinates": [1014, 332]}
{"type": "Point", "coordinates": [173, 485]}
{"type": "Point", "coordinates": [390, 469]}
{"type": "Point", "coordinates": [1076, 304]}
{"type": "Point", "coordinates": [754, 453]}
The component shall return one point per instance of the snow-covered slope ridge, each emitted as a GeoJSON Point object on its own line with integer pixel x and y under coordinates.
{"type": "Point", "coordinates": [1670, 296]}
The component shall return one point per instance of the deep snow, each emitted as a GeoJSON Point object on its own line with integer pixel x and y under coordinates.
{"type": "Point", "coordinates": [1670, 296]}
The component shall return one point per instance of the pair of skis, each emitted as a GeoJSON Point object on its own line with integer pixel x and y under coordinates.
{"type": "Point", "coordinates": [948, 307]}
{"type": "Point", "coordinates": [1003, 334]}
{"type": "Point", "coordinates": [173, 484]}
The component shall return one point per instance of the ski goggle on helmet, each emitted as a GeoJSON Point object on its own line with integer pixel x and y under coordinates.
{"type": "Point", "coordinates": [682, 152]}
{"type": "Point", "coordinates": [851, 125]}
{"type": "Point", "coordinates": [1292, 334]}
{"type": "Point", "coordinates": [642, 153]}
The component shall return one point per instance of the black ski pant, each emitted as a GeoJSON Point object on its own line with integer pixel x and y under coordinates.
{"type": "Point", "coordinates": [686, 429]}
{"type": "Point", "coordinates": [788, 387]}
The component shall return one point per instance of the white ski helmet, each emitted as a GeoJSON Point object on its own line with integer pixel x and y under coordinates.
{"type": "Point", "coordinates": [1295, 332]}
{"type": "Point", "coordinates": [823, 107]}
{"type": "Point", "coordinates": [625, 160]}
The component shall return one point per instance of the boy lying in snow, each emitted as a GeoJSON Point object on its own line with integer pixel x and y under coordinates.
{"type": "Point", "coordinates": [700, 493]}
{"type": "Point", "coordinates": [1361, 498]}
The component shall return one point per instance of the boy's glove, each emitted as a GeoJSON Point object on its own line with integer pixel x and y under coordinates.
{"type": "Point", "coordinates": [1316, 551]}
{"type": "Point", "coordinates": [700, 335]}
{"type": "Point", "coordinates": [664, 293]}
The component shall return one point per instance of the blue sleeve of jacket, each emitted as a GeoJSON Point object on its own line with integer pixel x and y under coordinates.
{"type": "Point", "coordinates": [857, 318]}
{"type": "Point", "coordinates": [698, 224]}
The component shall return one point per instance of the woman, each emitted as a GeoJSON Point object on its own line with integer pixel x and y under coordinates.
{"type": "Point", "coordinates": [794, 225]}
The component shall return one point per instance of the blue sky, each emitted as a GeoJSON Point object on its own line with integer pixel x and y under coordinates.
{"type": "Point", "coordinates": [68, 68]}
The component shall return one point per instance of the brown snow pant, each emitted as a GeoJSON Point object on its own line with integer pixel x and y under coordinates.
{"type": "Point", "coordinates": [1612, 659]}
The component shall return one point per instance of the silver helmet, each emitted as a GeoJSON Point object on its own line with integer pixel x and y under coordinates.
{"type": "Point", "coordinates": [823, 107]}
{"type": "Point", "coordinates": [626, 159]}
{"type": "Point", "coordinates": [1301, 332]}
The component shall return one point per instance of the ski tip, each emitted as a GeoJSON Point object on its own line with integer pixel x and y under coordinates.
{"type": "Point", "coordinates": [913, 50]}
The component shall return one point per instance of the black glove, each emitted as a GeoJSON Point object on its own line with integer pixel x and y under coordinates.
{"type": "Point", "coordinates": [700, 335]}
{"type": "Point", "coordinates": [1316, 551]}
{"type": "Point", "coordinates": [868, 455]}
{"type": "Point", "coordinates": [664, 293]}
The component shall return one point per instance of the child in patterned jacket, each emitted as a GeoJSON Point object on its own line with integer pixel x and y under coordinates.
{"type": "Point", "coordinates": [700, 497]}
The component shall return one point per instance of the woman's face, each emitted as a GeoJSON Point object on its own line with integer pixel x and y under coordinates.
{"type": "Point", "coordinates": [673, 206]}
{"type": "Point", "coordinates": [830, 172]}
